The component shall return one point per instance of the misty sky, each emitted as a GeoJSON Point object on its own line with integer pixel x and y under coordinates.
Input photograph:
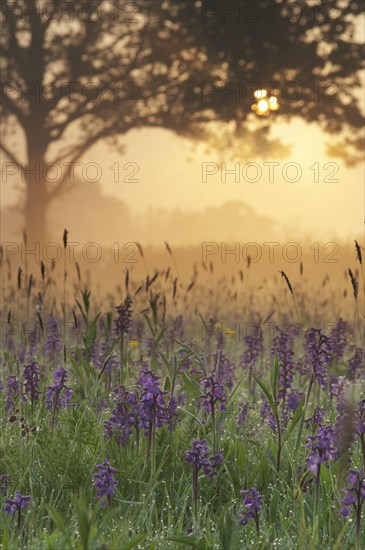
{"type": "Point", "coordinates": [168, 179]}
{"type": "Point", "coordinates": [170, 176]}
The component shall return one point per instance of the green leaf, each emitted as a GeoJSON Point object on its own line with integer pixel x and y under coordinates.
{"type": "Point", "coordinates": [149, 324]}
{"type": "Point", "coordinates": [273, 509]}
{"type": "Point", "coordinates": [313, 545]}
{"type": "Point", "coordinates": [84, 370]}
{"type": "Point", "coordinates": [188, 413]}
{"type": "Point", "coordinates": [225, 529]}
{"type": "Point", "coordinates": [188, 355]}
{"type": "Point", "coordinates": [84, 316]}
{"type": "Point", "coordinates": [240, 454]}
{"type": "Point", "coordinates": [109, 320]}
{"type": "Point", "coordinates": [236, 388]}
{"type": "Point", "coordinates": [191, 385]}
{"type": "Point", "coordinates": [267, 393]}
{"type": "Point", "coordinates": [106, 360]}
{"type": "Point", "coordinates": [167, 384]}
{"type": "Point", "coordinates": [270, 456]}
{"type": "Point", "coordinates": [134, 542]}
{"type": "Point", "coordinates": [5, 539]}
{"type": "Point", "coordinates": [165, 361]}
{"type": "Point", "coordinates": [185, 347]}
{"type": "Point", "coordinates": [300, 430]}
{"type": "Point", "coordinates": [57, 518]}
{"type": "Point", "coordinates": [275, 378]}
{"type": "Point", "coordinates": [235, 478]}
{"type": "Point", "coordinates": [159, 337]}
{"type": "Point", "coordinates": [154, 364]}
{"type": "Point", "coordinates": [339, 542]}
{"type": "Point", "coordinates": [153, 304]}
{"type": "Point", "coordinates": [84, 523]}
{"type": "Point", "coordinates": [296, 417]}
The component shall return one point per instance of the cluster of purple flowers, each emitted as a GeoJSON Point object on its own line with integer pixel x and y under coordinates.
{"type": "Point", "coordinates": [339, 338]}
{"type": "Point", "coordinates": [213, 395]}
{"type": "Point", "coordinates": [125, 415]}
{"type": "Point", "coordinates": [322, 448]}
{"type": "Point", "coordinates": [17, 504]}
{"type": "Point", "coordinates": [58, 395]}
{"type": "Point", "coordinates": [319, 348]}
{"type": "Point", "coordinates": [157, 407]}
{"type": "Point", "coordinates": [216, 461]}
{"type": "Point", "coordinates": [252, 504]}
{"type": "Point", "coordinates": [283, 348]}
{"type": "Point", "coordinates": [124, 316]}
{"type": "Point", "coordinates": [14, 391]}
{"type": "Point", "coordinates": [356, 362]}
{"type": "Point", "coordinates": [254, 349]}
{"type": "Point", "coordinates": [32, 342]}
{"type": "Point", "coordinates": [12, 394]}
{"type": "Point", "coordinates": [53, 344]}
{"type": "Point", "coordinates": [31, 381]}
{"type": "Point", "coordinates": [226, 370]}
{"type": "Point", "coordinates": [104, 482]}
{"type": "Point", "coordinates": [354, 494]}
{"type": "Point", "coordinates": [146, 409]}
{"type": "Point", "coordinates": [293, 399]}
{"type": "Point", "coordinates": [339, 386]}
{"type": "Point", "coordinates": [8, 338]}
{"type": "Point", "coordinates": [199, 457]}
{"type": "Point", "coordinates": [316, 419]}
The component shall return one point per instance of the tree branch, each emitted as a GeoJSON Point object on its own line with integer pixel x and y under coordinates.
{"type": "Point", "coordinates": [13, 159]}
{"type": "Point", "coordinates": [79, 152]}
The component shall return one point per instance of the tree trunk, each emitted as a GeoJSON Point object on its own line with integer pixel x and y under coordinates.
{"type": "Point", "coordinates": [35, 212]}
{"type": "Point", "coordinates": [37, 195]}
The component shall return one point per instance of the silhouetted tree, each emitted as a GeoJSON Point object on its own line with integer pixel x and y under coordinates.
{"type": "Point", "coordinates": [78, 72]}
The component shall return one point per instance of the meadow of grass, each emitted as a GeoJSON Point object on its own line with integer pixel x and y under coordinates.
{"type": "Point", "coordinates": [185, 396]}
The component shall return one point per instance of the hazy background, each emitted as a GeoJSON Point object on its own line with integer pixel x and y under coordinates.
{"type": "Point", "coordinates": [171, 202]}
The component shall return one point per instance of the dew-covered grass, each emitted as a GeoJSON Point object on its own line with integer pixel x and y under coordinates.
{"type": "Point", "coordinates": [207, 363]}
